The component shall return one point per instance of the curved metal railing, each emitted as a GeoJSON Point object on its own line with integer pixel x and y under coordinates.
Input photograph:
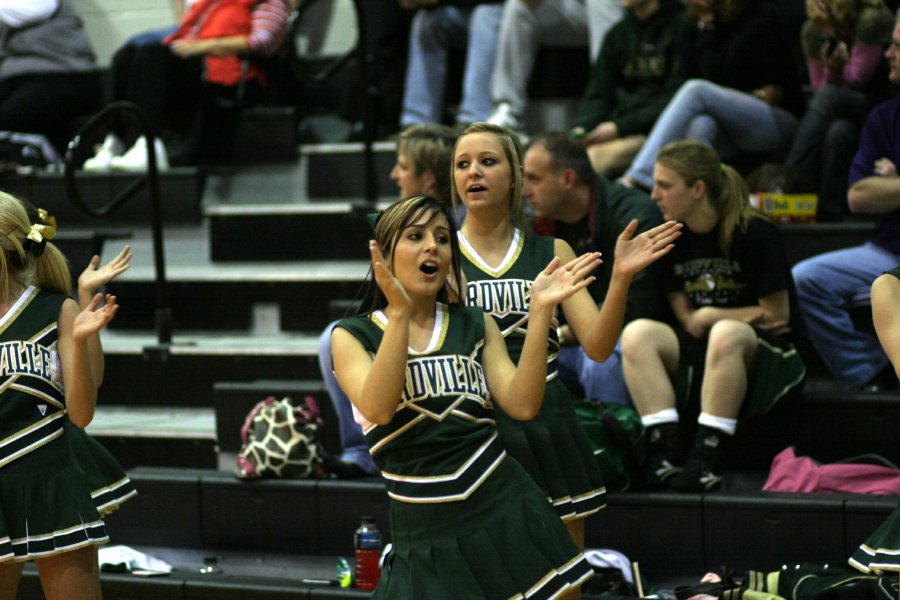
{"type": "Point", "coordinates": [150, 179]}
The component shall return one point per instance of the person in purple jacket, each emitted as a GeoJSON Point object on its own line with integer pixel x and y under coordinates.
{"type": "Point", "coordinates": [825, 283]}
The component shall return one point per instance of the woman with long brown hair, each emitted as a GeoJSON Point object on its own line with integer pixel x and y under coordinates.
{"type": "Point", "coordinates": [731, 350]}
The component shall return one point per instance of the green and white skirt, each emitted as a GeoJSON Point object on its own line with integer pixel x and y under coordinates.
{"type": "Point", "coordinates": [881, 552]}
{"type": "Point", "coordinates": [46, 506]}
{"type": "Point", "coordinates": [555, 450]}
{"type": "Point", "coordinates": [780, 373]}
{"type": "Point", "coordinates": [109, 485]}
{"type": "Point", "coordinates": [504, 541]}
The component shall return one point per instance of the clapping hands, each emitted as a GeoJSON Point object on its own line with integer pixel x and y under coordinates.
{"type": "Point", "coordinates": [93, 278]}
{"type": "Point", "coordinates": [389, 285]}
{"type": "Point", "coordinates": [558, 282]}
{"type": "Point", "coordinates": [93, 317]}
{"type": "Point", "coordinates": [635, 254]}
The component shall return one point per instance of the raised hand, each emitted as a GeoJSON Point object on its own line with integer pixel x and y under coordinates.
{"type": "Point", "coordinates": [93, 317]}
{"type": "Point", "coordinates": [557, 283]}
{"type": "Point", "coordinates": [92, 278]}
{"type": "Point", "coordinates": [635, 254]}
{"type": "Point", "coordinates": [389, 285]}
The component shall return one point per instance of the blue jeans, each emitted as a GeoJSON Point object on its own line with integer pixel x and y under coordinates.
{"type": "Point", "coordinates": [583, 375]}
{"type": "Point", "coordinates": [825, 285]}
{"type": "Point", "coordinates": [730, 121]}
{"type": "Point", "coordinates": [824, 145]}
{"type": "Point", "coordinates": [434, 33]}
{"type": "Point", "coordinates": [353, 443]}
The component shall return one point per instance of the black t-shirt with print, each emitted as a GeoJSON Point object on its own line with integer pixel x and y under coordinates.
{"type": "Point", "coordinates": [757, 267]}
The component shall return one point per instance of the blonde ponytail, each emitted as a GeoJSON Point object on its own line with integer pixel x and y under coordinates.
{"type": "Point", "coordinates": [725, 188]}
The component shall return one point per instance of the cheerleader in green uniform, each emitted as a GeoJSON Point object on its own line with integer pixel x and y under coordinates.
{"type": "Point", "coordinates": [424, 373]}
{"type": "Point", "coordinates": [109, 485]}
{"type": "Point", "coordinates": [46, 510]}
{"type": "Point", "coordinates": [881, 552]}
{"type": "Point", "coordinates": [500, 264]}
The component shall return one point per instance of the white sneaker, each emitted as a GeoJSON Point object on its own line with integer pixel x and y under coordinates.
{"type": "Point", "coordinates": [504, 116]}
{"type": "Point", "coordinates": [111, 147]}
{"type": "Point", "coordinates": [135, 159]}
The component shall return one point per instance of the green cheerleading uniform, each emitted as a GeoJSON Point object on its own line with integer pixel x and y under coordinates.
{"type": "Point", "coordinates": [881, 552]}
{"type": "Point", "coordinates": [466, 520]}
{"type": "Point", "coordinates": [552, 447]}
{"type": "Point", "coordinates": [45, 501]}
{"type": "Point", "coordinates": [109, 485]}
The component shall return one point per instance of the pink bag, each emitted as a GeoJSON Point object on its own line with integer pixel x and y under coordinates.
{"type": "Point", "coordinates": [792, 473]}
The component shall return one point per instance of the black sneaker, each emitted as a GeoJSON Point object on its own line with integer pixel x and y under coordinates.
{"type": "Point", "coordinates": [664, 458]}
{"type": "Point", "coordinates": [703, 470]}
{"type": "Point", "coordinates": [658, 469]}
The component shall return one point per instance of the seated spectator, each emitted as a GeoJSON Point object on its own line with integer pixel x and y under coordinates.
{"type": "Point", "coordinates": [826, 283]}
{"type": "Point", "coordinates": [632, 80]}
{"type": "Point", "coordinates": [423, 167]}
{"type": "Point", "coordinates": [589, 212]}
{"type": "Point", "coordinates": [742, 96]}
{"type": "Point", "coordinates": [843, 41]}
{"type": "Point", "coordinates": [731, 350]}
{"type": "Point", "coordinates": [206, 63]}
{"type": "Point", "coordinates": [385, 26]}
{"type": "Point", "coordinates": [437, 29]}
{"type": "Point", "coordinates": [156, 36]}
{"type": "Point", "coordinates": [47, 71]}
{"type": "Point", "coordinates": [525, 26]}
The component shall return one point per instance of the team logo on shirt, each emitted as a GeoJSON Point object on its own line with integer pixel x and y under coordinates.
{"type": "Point", "coordinates": [710, 281]}
{"type": "Point", "coordinates": [431, 379]}
{"type": "Point", "coordinates": [500, 296]}
{"type": "Point", "coordinates": [24, 358]}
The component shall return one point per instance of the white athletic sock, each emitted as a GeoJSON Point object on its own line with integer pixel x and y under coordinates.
{"type": "Point", "coordinates": [666, 415]}
{"type": "Point", "coordinates": [722, 424]}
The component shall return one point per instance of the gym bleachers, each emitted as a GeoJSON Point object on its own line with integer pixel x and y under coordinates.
{"type": "Point", "coordinates": [246, 325]}
{"type": "Point", "coordinates": [258, 257]}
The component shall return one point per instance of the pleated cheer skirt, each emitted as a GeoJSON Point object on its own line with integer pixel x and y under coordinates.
{"type": "Point", "coordinates": [46, 506]}
{"type": "Point", "coordinates": [881, 552]}
{"type": "Point", "coordinates": [504, 541]}
{"type": "Point", "coordinates": [555, 450]}
{"type": "Point", "coordinates": [107, 481]}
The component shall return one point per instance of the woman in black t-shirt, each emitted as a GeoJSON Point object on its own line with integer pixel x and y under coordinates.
{"type": "Point", "coordinates": [731, 350]}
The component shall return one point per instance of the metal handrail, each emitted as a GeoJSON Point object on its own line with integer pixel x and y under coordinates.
{"type": "Point", "coordinates": [150, 179]}
{"type": "Point", "coordinates": [364, 56]}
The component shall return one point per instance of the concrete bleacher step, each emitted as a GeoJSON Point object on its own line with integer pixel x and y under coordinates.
{"type": "Point", "coordinates": [272, 213]}
{"type": "Point", "coordinates": [162, 436]}
{"type": "Point", "coordinates": [180, 190]}
{"type": "Point", "coordinates": [264, 134]}
{"type": "Point", "coordinates": [234, 576]}
{"type": "Point", "coordinates": [290, 232]}
{"type": "Point", "coordinates": [667, 533]}
{"type": "Point", "coordinates": [338, 170]}
{"type": "Point", "coordinates": [803, 240]}
{"type": "Point", "coordinates": [831, 424]}
{"type": "Point", "coordinates": [139, 373]}
{"type": "Point", "coordinates": [232, 297]}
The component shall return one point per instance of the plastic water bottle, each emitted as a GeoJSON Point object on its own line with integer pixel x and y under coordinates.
{"type": "Point", "coordinates": [367, 542]}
